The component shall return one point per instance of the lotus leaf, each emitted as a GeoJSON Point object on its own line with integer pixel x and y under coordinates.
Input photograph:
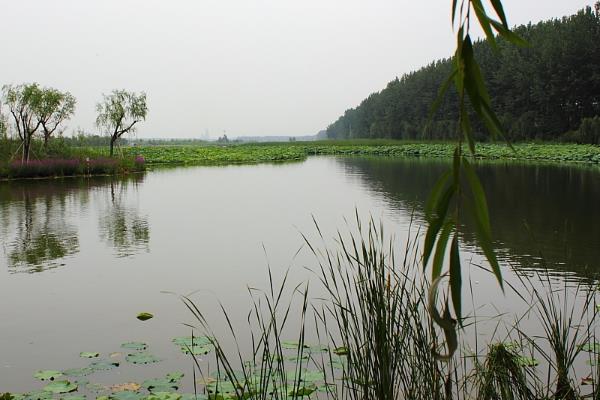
{"type": "Point", "coordinates": [137, 346]}
{"type": "Point", "coordinates": [318, 348]}
{"type": "Point", "coordinates": [302, 391]}
{"type": "Point", "coordinates": [78, 371]}
{"type": "Point", "coordinates": [191, 340]}
{"type": "Point", "coordinates": [73, 397]}
{"type": "Point", "coordinates": [164, 396]}
{"type": "Point", "coordinates": [103, 365]}
{"type": "Point", "coordinates": [47, 375]}
{"type": "Point", "coordinates": [175, 376]}
{"type": "Point", "coordinates": [341, 351]}
{"type": "Point", "coordinates": [160, 385]}
{"type": "Point", "coordinates": [144, 316]}
{"type": "Point", "coordinates": [197, 350]}
{"type": "Point", "coordinates": [291, 345]}
{"type": "Point", "coordinates": [60, 387]}
{"type": "Point", "coordinates": [126, 395]}
{"type": "Point", "coordinates": [142, 358]}
{"type": "Point", "coordinates": [223, 387]}
{"type": "Point", "coordinates": [37, 395]}
{"type": "Point", "coordinates": [89, 354]}
{"type": "Point", "coordinates": [191, 396]}
{"type": "Point", "coordinates": [591, 347]}
{"type": "Point", "coordinates": [526, 361]}
{"type": "Point", "coordinates": [130, 386]}
{"type": "Point", "coordinates": [96, 388]}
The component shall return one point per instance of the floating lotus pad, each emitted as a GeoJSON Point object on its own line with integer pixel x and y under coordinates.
{"type": "Point", "coordinates": [175, 376]}
{"type": "Point", "coordinates": [103, 365]}
{"type": "Point", "coordinates": [47, 375]}
{"type": "Point", "coordinates": [526, 361]}
{"type": "Point", "coordinates": [78, 371]}
{"type": "Point", "coordinates": [197, 350]}
{"type": "Point", "coordinates": [73, 397]}
{"type": "Point", "coordinates": [191, 396]}
{"type": "Point", "coordinates": [89, 354]}
{"type": "Point", "coordinates": [130, 386]}
{"type": "Point", "coordinates": [126, 395]}
{"type": "Point", "coordinates": [96, 387]}
{"type": "Point", "coordinates": [192, 340]}
{"type": "Point", "coordinates": [136, 346]}
{"type": "Point", "coordinates": [160, 385]}
{"type": "Point", "coordinates": [164, 396]}
{"type": "Point", "coordinates": [341, 351]}
{"type": "Point", "coordinates": [291, 345]}
{"type": "Point", "coordinates": [60, 387]}
{"type": "Point", "coordinates": [144, 316]}
{"type": "Point", "coordinates": [37, 395]}
{"type": "Point", "coordinates": [591, 347]}
{"type": "Point", "coordinates": [142, 358]}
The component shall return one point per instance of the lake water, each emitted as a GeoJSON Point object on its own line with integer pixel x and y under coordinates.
{"type": "Point", "coordinates": [80, 258]}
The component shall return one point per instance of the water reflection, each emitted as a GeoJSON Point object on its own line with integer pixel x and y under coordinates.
{"type": "Point", "coordinates": [41, 220]}
{"type": "Point", "coordinates": [543, 216]}
{"type": "Point", "coordinates": [42, 236]}
{"type": "Point", "coordinates": [121, 225]}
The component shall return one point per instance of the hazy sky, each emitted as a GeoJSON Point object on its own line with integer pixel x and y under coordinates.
{"type": "Point", "coordinates": [247, 67]}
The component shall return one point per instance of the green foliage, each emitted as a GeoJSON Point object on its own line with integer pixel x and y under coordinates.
{"type": "Point", "coordinates": [539, 91]}
{"type": "Point", "coordinates": [119, 112]}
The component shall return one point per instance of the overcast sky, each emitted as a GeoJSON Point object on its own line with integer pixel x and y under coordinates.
{"type": "Point", "coordinates": [247, 67]}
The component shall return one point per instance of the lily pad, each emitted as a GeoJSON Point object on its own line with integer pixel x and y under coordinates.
{"type": "Point", "coordinates": [591, 347]}
{"type": "Point", "coordinates": [221, 387]}
{"type": "Point", "coordinates": [175, 376]}
{"type": "Point", "coordinates": [291, 345]}
{"type": "Point", "coordinates": [103, 365]}
{"type": "Point", "coordinates": [73, 397]}
{"type": "Point", "coordinates": [130, 386]}
{"type": "Point", "coordinates": [142, 358]}
{"type": "Point", "coordinates": [197, 350]}
{"type": "Point", "coordinates": [144, 316]}
{"type": "Point", "coordinates": [341, 351]}
{"type": "Point", "coordinates": [47, 375]}
{"type": "Point", "coordinates": [37, 395]}
{"type": "Point", "coordinates": [96, 388]}
{"type": "Point", "coordinates": [527, 361]}
{"type": "Point", "coordinates": [303, 391]}
{"type": "Point", "coordinates": [126, 395]}
{"type": "Point", "coordinates": [136, 346]}
{"type": "Point", "coordinates": [60, 387]}
{"type": "Point", "coordinates": [160, 385]}
{"type": "Point", "coordinates": [89, 354]}
{"type": "Point", "coordinates": [192, 396]}
{"type": "Point", "coordinates": [164, 396]}
{"type": "Point", "coordinates": [78, 371]}
{"type": "Point", "coordinates": [191, 340]}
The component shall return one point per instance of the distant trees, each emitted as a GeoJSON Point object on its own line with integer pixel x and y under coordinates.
{"type": "Point", "coordinates": [541, 91]}
{"type": "Point", "coordinates": [119, 112]}
{"type": "Point", "coordinates": [32, 107]}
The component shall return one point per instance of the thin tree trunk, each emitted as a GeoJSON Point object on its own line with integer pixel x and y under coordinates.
{"type": "Point", "coordinates": [112, 145]}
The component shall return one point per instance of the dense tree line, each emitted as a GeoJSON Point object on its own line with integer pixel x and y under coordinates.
{"type": "Point", "coordinates": [542, 91]}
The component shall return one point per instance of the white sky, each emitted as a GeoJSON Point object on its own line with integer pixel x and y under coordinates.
{"type": "Point", "coordinates": [247, 67]}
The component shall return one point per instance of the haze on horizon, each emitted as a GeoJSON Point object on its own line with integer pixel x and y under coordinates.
{"type": "Point", "coordinates": [246, 68]}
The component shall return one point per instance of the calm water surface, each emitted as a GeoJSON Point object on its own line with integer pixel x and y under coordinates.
{"type": "Point", "coordinates": [80, 258]}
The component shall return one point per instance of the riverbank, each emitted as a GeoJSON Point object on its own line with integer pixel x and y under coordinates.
{"type": "Point", "coordinates": [278, 152]}
{"type": "Point", "coordinates": [254, 153]}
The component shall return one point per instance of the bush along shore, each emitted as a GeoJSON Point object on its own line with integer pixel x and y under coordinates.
{"type": "Point", "coordinates": [65, 167]}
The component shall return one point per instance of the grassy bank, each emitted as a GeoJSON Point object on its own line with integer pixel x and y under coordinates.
{"type": "Point", "coordinates": [278, 152]}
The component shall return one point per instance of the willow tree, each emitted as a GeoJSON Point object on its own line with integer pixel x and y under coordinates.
{"type": "Point", "coordinates": [119, 112]}
{"type": "Point", "coordinates": [53, 109]}
{"type": "Point", "coordinates": [23, 102]}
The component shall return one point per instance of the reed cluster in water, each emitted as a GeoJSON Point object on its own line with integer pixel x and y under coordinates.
{"type": "Point", "coordinates": [376, 339]}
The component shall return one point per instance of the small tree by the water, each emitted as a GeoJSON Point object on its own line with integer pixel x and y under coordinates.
{"type": "Point", "coordinates": [119, 112]}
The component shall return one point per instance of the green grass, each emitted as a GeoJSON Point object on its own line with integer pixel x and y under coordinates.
{"type": "Point", "coordinates": [280, 152]}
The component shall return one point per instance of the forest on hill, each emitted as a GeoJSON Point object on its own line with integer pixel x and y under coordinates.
{"type": "Point", "coordinates": [548, 90]}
